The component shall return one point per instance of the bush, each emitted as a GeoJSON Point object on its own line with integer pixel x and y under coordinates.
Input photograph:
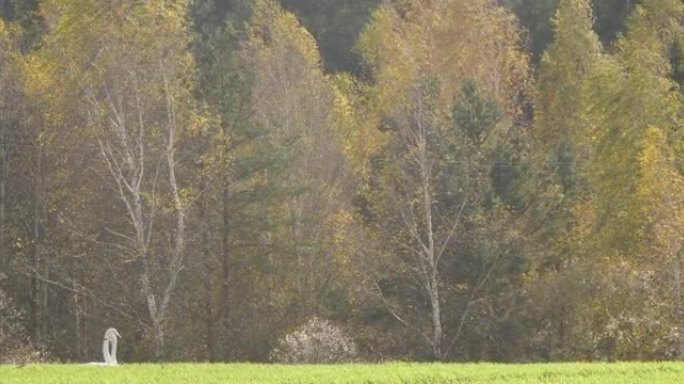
{"type": "Point", "coordinates": [317, 342]}
{"type": "Point", "coordinates": [22, 353]}
{"type": "Point", "coordinates": [13, 349]}
{"type": "Point", "coordinates": [10, 318]}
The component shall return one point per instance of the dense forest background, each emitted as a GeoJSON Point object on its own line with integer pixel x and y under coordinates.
{"type": "Point", "coordinates": [441, 179]}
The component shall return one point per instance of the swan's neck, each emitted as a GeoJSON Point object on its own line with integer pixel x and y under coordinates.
{"type": "Point", "coordinates": [113, 356]}
{"type": "Point", "coordinates": [105, 351]}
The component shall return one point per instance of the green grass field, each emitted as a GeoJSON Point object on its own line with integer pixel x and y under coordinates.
{"type": "Point", "coordinates": [399, 373]}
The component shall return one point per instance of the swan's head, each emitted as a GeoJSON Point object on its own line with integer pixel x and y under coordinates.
{"type": "Point", "coordinates": [111, 334]}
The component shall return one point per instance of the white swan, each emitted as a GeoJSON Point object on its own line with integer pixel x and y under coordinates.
{"type": "Point", "coordinates": [110, 339]}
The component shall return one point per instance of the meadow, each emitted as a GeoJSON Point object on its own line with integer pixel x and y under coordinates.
{"type": "Point", "coordinates": [395, 373]}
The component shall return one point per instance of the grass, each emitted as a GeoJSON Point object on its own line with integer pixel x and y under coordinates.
{"type": "Point", "coordinates": [396, 373]}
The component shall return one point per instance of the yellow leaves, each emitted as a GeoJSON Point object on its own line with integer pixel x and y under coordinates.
{"type": "Point", "coordinates": [291, 96]}
{"type": "Point", "coordinates": [187, 195]}
{"type": "Point", "coordinates": [342, 222]}
{"type": "Point", "coordinates": [274, 29]}
{"type": "Point", "coordinates": [653, 142]}
{"type": "Point", "coordinates": [200, 122]}
{"type": "Point", "coordinates": [450, 41]}
{"type": "Point", "coordinates": [565, 78]}
{"type": "Point", "coordinates": [436, 46]}
{"type": "Point", "coordinates": [635, 108]}
{"type": "Point", "coordinates": [40, 74]}
{"type": "Point", "coordinates": [8, 52]}
{"type": "Point", "coordinates": [91, 40]}
{"type": "Point", "coordinates": [661, 190]}
{"type": "Point", "coordinates": [355, 119]}
{"type": "Point", "coordinates": [350, 243]}
{"type": "Point", "coordinates": [652, 28]}
{"type": "Point", "coordinates": [302, 41]}
{"type": "Point", "coordinates": [443, 43]}
{"type": "Point", "coordinates": [652, 166]}
{"type": "Point", "coordinates": [342, 117]}
{"type": "Point", "coordinates": [375, 38]}
{"type": "Point", "coordinates": [656, 160]}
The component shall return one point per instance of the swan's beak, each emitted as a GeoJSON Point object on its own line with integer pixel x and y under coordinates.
{"type": "Point", "coordinates": [117, 334]}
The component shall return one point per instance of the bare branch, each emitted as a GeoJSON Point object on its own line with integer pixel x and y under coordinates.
{"type": "Point", "coordinates": [447, 240]}
{"type": "Point", "coordinates": [471, 298]}
{"type": "Point", "coordinates": [397, 316]}
{"type": "Point", "coordinates": [79, 290]}
{"type": "Point", "coordinates": [412, 227]}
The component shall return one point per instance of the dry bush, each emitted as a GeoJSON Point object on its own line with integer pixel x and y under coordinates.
{"type": "Point", "coordinates": [317, 342]}
{"type": "Point", "coordinates": [13, 349]}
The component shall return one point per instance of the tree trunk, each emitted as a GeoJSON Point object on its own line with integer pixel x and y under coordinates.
{"type": "Point", "coordinates": [225, 268]}
{"type": "Point", "coordinates": [208, 292]}
{"type": "Point", "coordinates": [436, 318]}
{"type": "Point", "coordinates": [78, 340]}
{"type": "Point", "coordinates": [431, 262]}
{"type": "Point", "coordinates": [678, 310]}
{"type": "Point", "coordinates": [675, 253]}
{"type": "Point", "coordinates": [209, 312]}
{"type": "Point", "coordinates": [35, 286]}
{"type": "Point", "coordinates": [210, 339]}
{"type": "Point", "coordinates": [158, 339]}
{"type": "Point", "coordinates": [4, 158]}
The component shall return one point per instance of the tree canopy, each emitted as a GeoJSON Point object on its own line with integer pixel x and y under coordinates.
{"type": "Point", "coordinates": [454, 180]}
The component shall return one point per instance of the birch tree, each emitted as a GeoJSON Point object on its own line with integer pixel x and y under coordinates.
{"type": "Point", "coordinates": [442, 113]}
{"type": "Point", "coordinates": [126, 76]}
{"type": "Point", "coordinates": [429, 231]}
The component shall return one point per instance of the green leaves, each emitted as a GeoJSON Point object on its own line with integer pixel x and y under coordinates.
{"type": "Point", "coordinates": [475, 114]}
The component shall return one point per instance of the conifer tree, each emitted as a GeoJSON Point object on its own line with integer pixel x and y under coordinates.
{"type": "Point", "coordinates": [429, 195]}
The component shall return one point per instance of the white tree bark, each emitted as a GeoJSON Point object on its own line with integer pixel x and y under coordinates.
{"type": "Point", "coordinates": [125, 149]}
{"type": "Point", "coordinates": [430, 232]}
{"type": "Point", "coordinates": [419, 220]}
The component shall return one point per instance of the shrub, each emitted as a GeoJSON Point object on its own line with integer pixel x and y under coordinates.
{"type": "Point", "coordinates": [10, 318]}
{"type": "Point", "coordinates": [13, 349]}
{"type": "Point", "coordinates": [317, 342]}
{"type": "Point", "coordinates": [22, 353]}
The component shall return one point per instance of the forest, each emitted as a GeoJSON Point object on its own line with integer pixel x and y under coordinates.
{"type": "Point", "coordinates": [424, 180]}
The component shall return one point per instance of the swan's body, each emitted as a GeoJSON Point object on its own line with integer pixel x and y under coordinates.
{"type": "Point", "coordinates": [109, 355]}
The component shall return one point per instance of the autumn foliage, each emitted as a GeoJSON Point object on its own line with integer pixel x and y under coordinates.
{"type": "Point", "coordinates": [490, 180]}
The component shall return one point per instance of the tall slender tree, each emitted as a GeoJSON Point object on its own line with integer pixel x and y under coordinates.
{"type": "Point", "coordinates": [130, 94]}
{"type": "Point", "coordinates": [295, 102]}
{"type": "Point", "coordinates": [429, 190]}
{"type": "Point", "coordinates": [563, 131]}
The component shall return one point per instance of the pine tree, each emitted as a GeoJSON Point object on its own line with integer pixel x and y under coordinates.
{"type": "Point", "coordinates": [429, 198]}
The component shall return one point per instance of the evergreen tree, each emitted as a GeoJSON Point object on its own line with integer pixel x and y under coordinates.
{"type": "Point", "coordinates": [429, 198]}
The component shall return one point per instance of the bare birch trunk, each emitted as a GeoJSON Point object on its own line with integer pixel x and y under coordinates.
{"type": "Point", "coordinates": [179, 247]}
{"type": "Point", "coordinates": [124, 153]}
{"type": "Point", "coordinates": [432, 282]}
{"type": "Point", "coordinates": [436, 318]}
{"type": "Point", "coordinates": [430, 232]}
{"type": "Point", "coordinates": [420, 224]}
